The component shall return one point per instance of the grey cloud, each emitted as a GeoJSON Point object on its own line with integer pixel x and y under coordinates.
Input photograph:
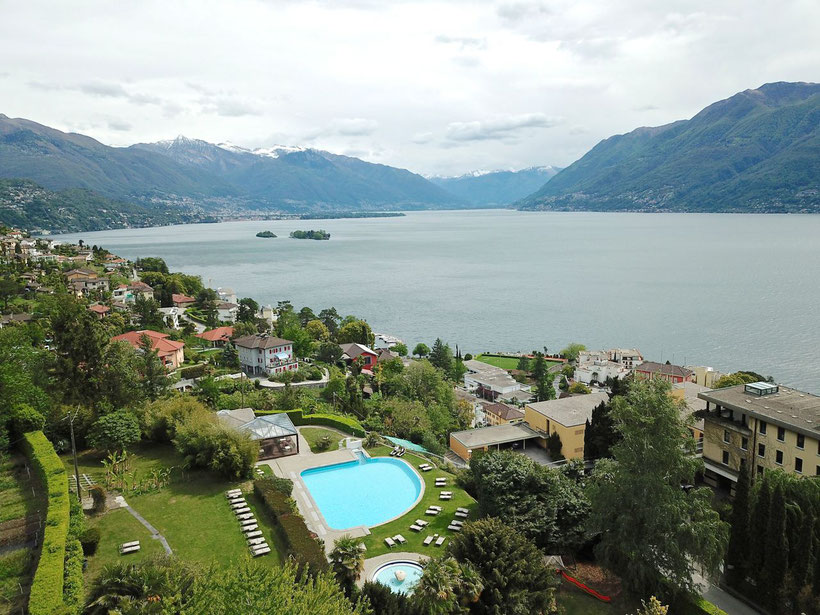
{"type": "Point", "coordinates": [592, 48]}
{"type": "Point", "coordinates": [119, 125]}
{"type": "Point", "coordinates": [519, 11]}
{"type": "Point", "coordinates": [646, 108]}
{"type": "Point", "coordinates": [228, 106]}
{"type": "Point", "coordinates": [345, 127]}
{"type": "Point", "coordinates": [462, 41]}
{"type": "Point", "coordinates": [498, 128]}
{"type": "Point", "coordinates": [422, 137]}
{"type": "Point", "coordinates": [102, 88]}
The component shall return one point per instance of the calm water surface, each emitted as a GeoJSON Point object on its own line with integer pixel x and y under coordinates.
{"type": "Point", "coordinates": [730, 291]}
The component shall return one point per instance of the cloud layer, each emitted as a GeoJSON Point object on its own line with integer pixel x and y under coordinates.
{"type": "Point", "coordinates": [436, 87]}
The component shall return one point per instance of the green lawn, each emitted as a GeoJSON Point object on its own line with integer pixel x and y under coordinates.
{"type": "Point", "coordinates": [438, 524]}
{"type": "Point", "coordinates": [506, 362]}
{"type": "Point", "coordinates": [578, 603]}
{"type": "Point", "coordinates": [314, 434]}
{"type": "Point", "coordinates": [192, 513]}
{"type": "Point", "coordinates": [15, 567]}
{"type": "Point", "coordinates": [16, 498]}
{"type": "Point", "coordinates": [144, 458]}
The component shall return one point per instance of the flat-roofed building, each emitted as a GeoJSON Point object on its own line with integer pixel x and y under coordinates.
{"type": "Point", "coordinates": [764, 425]}
{"type": "Point", "coordinates": [567, 417]}
{"type": "Point", "coordinates": [488, 381]}
{"type": "Point", "coordinates": [465, 443]}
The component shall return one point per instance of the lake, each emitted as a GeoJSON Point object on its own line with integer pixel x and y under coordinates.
{"type": "Point", "coordinates": [729, 291]}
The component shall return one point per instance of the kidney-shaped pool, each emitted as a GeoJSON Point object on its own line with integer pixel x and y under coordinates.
{"type": "Point", "coordinates": [367, 492]}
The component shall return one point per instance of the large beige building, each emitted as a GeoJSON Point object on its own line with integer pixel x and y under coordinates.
{"type": "Point", "coordinates": [761, 424]}
{"type": "Point", "coordinates": [567, 417]}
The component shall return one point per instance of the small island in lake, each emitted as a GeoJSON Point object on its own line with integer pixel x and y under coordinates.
{"type": "Point", "coordinates": [320, 234]}
{"type": "Point", "coordinates": [265, 234]}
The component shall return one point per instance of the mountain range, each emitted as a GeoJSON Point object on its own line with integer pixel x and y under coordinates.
{"type": "Point", "coordinates": [757, 151]}
{"type": "Point", "coordinates": [496, 188]}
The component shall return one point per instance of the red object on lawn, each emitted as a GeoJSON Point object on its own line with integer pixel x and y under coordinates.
{"type": "Point", "coordinates": [583, 587]}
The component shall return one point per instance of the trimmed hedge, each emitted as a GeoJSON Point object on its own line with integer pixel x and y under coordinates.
{"type": "Point", "coordinates": [343, 423]}
{"type": "Point", "coordinates": [47, 587]}
{"type": "Point", "coordinates": [300, 545]}
{"type": "Point", "coordinates": [697, 606]}
{"type": "Point", "coordinates": [73, 576]}
{"type": "Point", "coordinates": [195, 371]}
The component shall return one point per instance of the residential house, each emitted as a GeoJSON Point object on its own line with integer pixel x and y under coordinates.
{"type": "Point", "coordinates": [704, 376]}
{"type": "Point", "coordinates": [171, 316]}
{"type": "Point", "coordinates": [227, 311]}
{"type": "Point", "coordinates": [382, 340]}
{"type": "Point", "coordinates": [265, 354]}
{"type": "Point", "coordinates": [182, 301]}
{"type": "Point", "coordinates": [689, 392]}
{"type": "Point", "coordinates": [84, 281]}
{"type": "Point", "coordinates": [169, 351]}
{"type": "Point", "coordinates": [489, 382]}
{"type": "Point", "coordinates": [597, 371]}
{"type": "Point", "coordinates": [141, 289]}
{"type": "Point", "coordinates": [122, 294]}
{"type": "Point", "coordinates": [351, 352]}
{"type": "Point", "coordinates": [762, 425]}
{"type": "Point", "coordinates": [268, 314]}
{"type": "Point", "coordinates": [650, 370]}
{"type": "Point", "coordinates": [217, 337]}
{"type": "Point", "coordinates": [99, 310]}
{"type": "Point", "coordinates": [567, 417]}
{"type": "Point", "coordinates": [385, 355]}
{"type": "Point", "coordinates": [14, 319]}
{"type": "Point", "coordinates": [226, 294]}
{"type": "Point", "coordinates": [82, 272]}
{"type": "Point", "coordinates": [499, 414]}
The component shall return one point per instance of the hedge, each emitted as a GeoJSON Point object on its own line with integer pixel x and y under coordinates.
{"type": "Point", "coordinates": [73, 577]}
{"type": "Point", "coordinates": [343, 423]}
{"type": "Point", "coordinates": [47, 587]}
{"type": "Point", "coordinates": [697, 606]}
{"type": "Point", "coordinates": [195, 371]}
{"type": "Point", "coordinates": [295, 535]}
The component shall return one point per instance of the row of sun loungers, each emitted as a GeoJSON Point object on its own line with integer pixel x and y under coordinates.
{"type": "Point", "coordinates": [418, 525]}
{"type": "Point", "coordinates": [129, 547]}
{"type": "Point", "coordinates": [247, 523]}
{"type": "Point", "coordinates": [425, 467]}
{"type": "Point", "coordinates": [398, 451]}
{"type": "Point", "coordinates": [432, 510]}
{"type": "Point", "coordinates": [445, 495]}
{"type": "Point", "coordinates": [439, 540]}
{"type": "Point", "coordinates": [397, 539]}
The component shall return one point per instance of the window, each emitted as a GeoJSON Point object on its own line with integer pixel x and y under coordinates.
{"type": "Point", "coordinates": [817, 471]}
{"type": "Point", "coordinates": [801, 441]}
{"type": "Point", "coordinates": [726, 436]}
{"type": "Point", "coordinates": [781, 433]}
{"type": "Point", "coordinates": [726, 458]}
{"type": "Point", "coordinates": [762, 427]}
{"type": "Point", "coordinates": [798, 465]}
{"type": "Point", "coordinates": [778, 458]}
{"type": "Point", "coordinates": [744, 443]}
{"type": "Point", "coordinates": [761, 450]}
{"type": "Point", "coordinates": [760, 470]}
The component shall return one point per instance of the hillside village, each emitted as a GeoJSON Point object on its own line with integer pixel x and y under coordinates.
{"type": "Point", "coordinates": [198, 424]}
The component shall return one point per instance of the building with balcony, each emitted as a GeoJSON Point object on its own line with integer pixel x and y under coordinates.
{"type": "Point", "coordinates": [674, 374]}
{"type": "Point", "coordinates": [764, 425]}
{"type": "Point", "coordinates": [567, 417]}
{"type": "Point", "coordinates": [265, 355]}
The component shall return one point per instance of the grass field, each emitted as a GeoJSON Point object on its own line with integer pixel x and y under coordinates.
{"type": "Point", "coordinates": [16, 497]}
{"type": "Point", "coordinates": [438, 524]}
{"type": "Point", "coordinates": [314, 434]}
{"type": "Point", "coordinates": [507, 363]}
{"type": "Point", "coordinates": [15, 568]}
{"type": "Point", "coordinates": [192, 513]}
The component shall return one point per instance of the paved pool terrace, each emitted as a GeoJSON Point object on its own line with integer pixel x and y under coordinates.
{"type": "Point", "coordinates": [292, 467]}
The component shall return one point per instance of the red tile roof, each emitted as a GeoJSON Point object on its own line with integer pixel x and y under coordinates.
{"type": "Point", "coordinates": [99, 309]}
{"type": "Point", "coordinates": [175, 298]}
{"type": "Point", "coordinates": [220, 334]}
{"type": "Point", "coordinates": [159, 341]}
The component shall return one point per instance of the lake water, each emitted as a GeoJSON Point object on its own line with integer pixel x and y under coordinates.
{"type": "Point", "coordinates": [730, 291]}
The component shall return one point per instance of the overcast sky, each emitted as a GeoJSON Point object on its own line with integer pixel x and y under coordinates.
{"type": "Point", "coordinates": [436, 87]}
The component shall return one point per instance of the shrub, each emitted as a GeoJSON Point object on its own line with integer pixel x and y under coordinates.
{"type": "Point", "coordinates": [697, 606]}
{"type": "Point", "coordinates": [343, 423]}
{"type": "Point", "coordinates": [47, 586]}
{"type": "Point", "coordinates": [195, 371]}
{"type": "Point", "coordinates": [73, 576]}
{"type": "Point", "coordinates": [278, 503]}
{"type": "Point", "coordinates": [115, 431]}
{"type": "Point", "coordinates": [159, 419]}
{"type": "Point", "coordinates": [302, 547]}
{"type": "Point", "coordinates": [579, 387]}
{"type": "Point", "coordinates": [98, 495]}
{"type": "Point", "coordinates": [323, 443]}
{"type": "Point", "coordinates": [89, 540]}
{"type": "Point", "coordinates": [283, 485]}
{"type": "Point", "coordinates": [24, 418]}
{"type": "Point", "coordinates": [206, 444]}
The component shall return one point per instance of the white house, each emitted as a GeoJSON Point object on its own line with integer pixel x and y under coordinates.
{"type": "Point", "coordinates": [488, 381]}
{"type": "Point", "coordinates": [226, 294]}
{"type": "Point", "coordinates": [171, 316]}
{"type": "Point", "coordinates": [385, 341]}
{"type": "Point", "coordinates": [227, 311]}
{"type": "Point", "coordinates": [265, 354]}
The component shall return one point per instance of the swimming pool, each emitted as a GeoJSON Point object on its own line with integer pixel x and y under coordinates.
{"type": "Point", "coordinates": [368, 491]}
{"type": "Point", "coordinates": [400, 577]}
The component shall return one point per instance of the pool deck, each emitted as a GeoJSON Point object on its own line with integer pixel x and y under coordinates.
{"type": "Point", "coordinates": [374, 563]}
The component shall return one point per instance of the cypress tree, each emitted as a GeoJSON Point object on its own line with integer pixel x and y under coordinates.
{"type": "Point", "coordinates": [590, 450]}
{"type": "Point", "coordinates": [760, 525]}
{"type": "Point", "coordinates": [803, 552]}
{"type": "Point", "coordinates": [777, 550]}
{"type": "Point", "coordinates": [737, 554]}
{"type": "Point", "coordinates": [816, 579]}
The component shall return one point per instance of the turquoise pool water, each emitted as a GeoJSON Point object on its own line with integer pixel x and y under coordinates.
{"type": "Point", "coordinates": [386, 575]}
{"type": "Point", "coordinates": [367, 492]}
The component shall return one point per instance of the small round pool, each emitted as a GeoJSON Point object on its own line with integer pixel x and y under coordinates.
{"type": "Point", "coordinates": [368, 491]}
{"type": "Point", "coordinates": [400, 577]}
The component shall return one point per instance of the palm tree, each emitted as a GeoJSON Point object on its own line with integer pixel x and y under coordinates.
{"type": "Point", "coordinates": [347, 560]}
{"type": "Point", "coordinates": [436, 590]}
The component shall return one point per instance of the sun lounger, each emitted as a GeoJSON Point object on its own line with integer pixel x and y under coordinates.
{"type": "Point", "coordinates": [235, 497]}
{"type": "Point", "coordinates": [427, 469]}
{"type": "Point", "coordinates": [446, 493]}
{"type": "Point", "coordinates": [242, 511]}
{"type": "Point", "coordinates": [455, 528]}
{"type": "Point", "coordinates": [440, 540]}
{"type": "Point", "coordinates": [416, 528]}
{"type": "Point", "coordinates": [428, 540]}
{"type": "Point", "coordinates": [263, 551]}
{"type": "Point", "coordinates": [466, 511]}
{"type": "Point", "coordinates": [253, 534]}
{"type": "Point", "coordinates": [247, 515]}
{"type": "Point", "coordinates": [239, 503]}
{"type": "Point", "coordinates": [461, 515]}
{"type": "Point", "coordinates": [134, 543]}
{"type": "Point", "coordinates": [234, 493]}
{"type": "Point", "coordinates": [421, 522]}
{"type": "Point", "coordinates": [445, 497]}
{"type": "Point", "coordinates": [400, 539]}
{"type": "Point", "coordinates": [245, 522]}
{"type": "Point", "coordinates": [390, 542]}
{"type": "Point", "coordinates": [455, 522]}
{"type": "Point", "coordinates": [255, 542]}
{"type": "Point", "coordinates": [394, 452]}
{"type": "Point", "coordinates": [425, 466]}
{"type": "Point", "coordinates": [129, 550]}
{"type": "Point", "coordinates": [402, 452]}
{"type": "Point", "coordinates": [431, 511]}
{"type": "Point", "coordinates": [250, 528]}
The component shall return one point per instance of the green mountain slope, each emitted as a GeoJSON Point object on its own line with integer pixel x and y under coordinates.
{"type": "Point", "coordinates": [758, 151]}
{"type": "Point", "coordinates": [24, 204]}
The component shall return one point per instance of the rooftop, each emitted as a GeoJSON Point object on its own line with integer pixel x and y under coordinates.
{"type": "Point", "coordinates": [159, 341]}
{"type": "Point", "coordinates": [236, 418]}
{"type": "Point", "coordinates": [570, 411]}
{"type": "Point", "coordinates": [662, 368]}
{"type": "Point", "coordinates": [268, 426]}
{"type": "Point", "coordinates": [260, 341]}
{"type": "Point", "coordinates": [217, 335]}
{"type": "Point", "coordinates": [788, 407]}
{"type": "Point", "coordinates": [507, 413]}
{"type": "Point", "coordinates": [497, 434]}
{"type": "Point", "coordinates": [354, 350]}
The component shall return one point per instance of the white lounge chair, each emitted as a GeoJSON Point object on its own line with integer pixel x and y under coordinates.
{"type": "Point", "coordinates": [250, 528]}
{"type": "Point", "coordinates": [254, 542]}
{"type": "Point", "coordinates": [438, 508]}
{"type": "Point", "coordinates": [427, 469]}
{"type": "Point", "coordinates": [245, 522]}
{"type": "Point", "coordinates": [247, 515]}
{"type": "Point", "coordinates": [400, 539]}
{"type": "Point", "coordinates": [416, 528]}
{"type": "Point", "coordinates": [445, 497]}
{"type": "Point", "coordinates": [263, 551]}
{"type": "Point", "coordinates": [231, 492]}
{"type": "Point", "coordinates": [390, 542]}
{"type": "Point", "coordinates": [446, 493]}
{"type": "Point", "coordinates": [129, 547]}
{"type": "Point", "coordinates": [239, 504]}
{"type": "Point", "coordinates": [253, 534]}
{"type": "Point", "coordinates": [431, 511]}
{"type": "Point", "coordinates": [421, 522]}
{"type": "Point", "coordinates": [242, 511]}
{"type": "Point", "coordinates": [440, 540]}
{"type": "Point", "coordinates": [455, 528]}
{"type": "Point", "coordinates": [458, 523]}
{"type": "Point", "coordinates": [428, 540]}
{"type": "Point", "coordinates": [461, 515]}
{"type": "Point", "coordinates": [466, 511]}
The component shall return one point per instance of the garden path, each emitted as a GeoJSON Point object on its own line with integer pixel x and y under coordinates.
{"type": "Point", "coordinates": [154, 531]}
